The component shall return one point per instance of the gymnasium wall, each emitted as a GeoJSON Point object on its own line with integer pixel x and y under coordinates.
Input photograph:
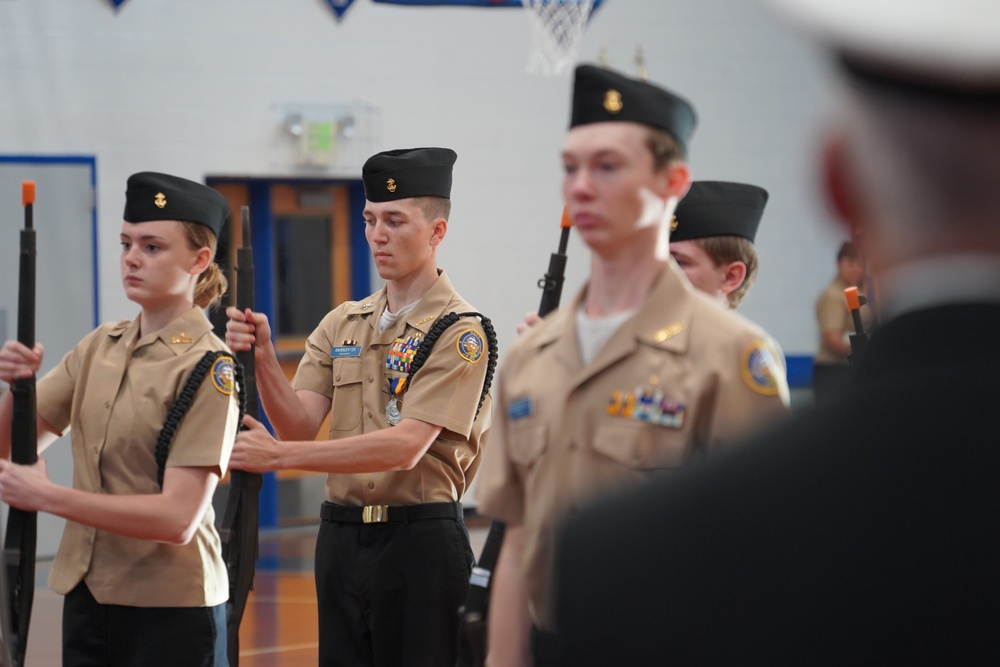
{"type": "Point", "coordinates": [199, 88]}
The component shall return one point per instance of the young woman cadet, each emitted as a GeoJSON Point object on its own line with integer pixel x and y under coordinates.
{"type": "Point", "coordinates": [140, 561]}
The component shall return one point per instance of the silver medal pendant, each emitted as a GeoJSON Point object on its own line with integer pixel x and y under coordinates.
{"type": "Point", "coordinates": [392, 412]}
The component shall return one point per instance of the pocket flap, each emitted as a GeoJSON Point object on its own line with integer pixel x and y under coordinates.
{"type": "Point", "coordinates": [640, 445]}
{"type": "Point", "coordinates": [346, 371]}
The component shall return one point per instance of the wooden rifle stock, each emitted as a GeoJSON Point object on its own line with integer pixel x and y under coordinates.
{"type": "Point", "coordinates": [240, 520]}
{"type": "Point", "coordinates": [473, 615]}
{"type": "Point", "coordinates": [22, 527]}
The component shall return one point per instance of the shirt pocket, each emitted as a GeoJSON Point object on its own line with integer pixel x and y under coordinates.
{"type": "Point", "coordinates": [347, 403]}
{"type": "Point", "coordinates": [640, 446]}
{"type": "Point", "coordinates": [527, 443]}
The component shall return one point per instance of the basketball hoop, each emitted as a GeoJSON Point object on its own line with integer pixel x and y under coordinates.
{"type": "Point", "coordinates": [556, 32]}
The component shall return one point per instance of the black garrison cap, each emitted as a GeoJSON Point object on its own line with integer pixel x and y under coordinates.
{"type": "Point", "coordinates": [408, 172]}
{"type": "Point", "coordinates": [718, 208]}
{"type": "Point", "coordinates": [601, 95]}
{"type": "Point", "coordinates": [153, 196]}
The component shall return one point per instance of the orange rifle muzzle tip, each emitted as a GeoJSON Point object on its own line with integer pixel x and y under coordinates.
{"type": "Point", "coordinates": [853, 301]}
{"type": "Point", "coordinates": [566, 220]}
{"type": "Point", "coordinates": [27, 192]}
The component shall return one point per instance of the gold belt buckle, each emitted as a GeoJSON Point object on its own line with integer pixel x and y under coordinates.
{"type": "Point", "coordinates": [375, 514]}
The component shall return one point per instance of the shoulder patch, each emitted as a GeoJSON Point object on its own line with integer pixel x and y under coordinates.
{"type": "Point", "coordinates": [223, 374]}
{"type": "Point", "coordinates": [759, 369]}
{"type": "Point", "coordinates": [470, 345]}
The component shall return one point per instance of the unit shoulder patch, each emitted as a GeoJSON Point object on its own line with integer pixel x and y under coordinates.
{"type": "Point", "coordinates": [759, 369]}
{"type": "Point", "coordinates": [223, 374]}
{"type": "Point", "coordinates": [470, 345]}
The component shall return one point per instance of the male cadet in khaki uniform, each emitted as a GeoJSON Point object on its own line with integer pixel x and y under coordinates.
{"type": "Point", "coordinates": [712, 235]}
{"type": "Point", "coordinates": [393, 557]}
{"type": "Point", "coordinates": [637, 374]}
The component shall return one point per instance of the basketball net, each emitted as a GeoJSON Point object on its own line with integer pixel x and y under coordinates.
{"type": "Point", "coordinates": [556, 32]}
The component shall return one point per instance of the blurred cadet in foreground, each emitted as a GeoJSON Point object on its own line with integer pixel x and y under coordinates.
{"type": "Point", "coordinates": [638, 373]}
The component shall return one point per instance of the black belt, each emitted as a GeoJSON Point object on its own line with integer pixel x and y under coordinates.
{"type": "Point", "coordinates": [389, 513]}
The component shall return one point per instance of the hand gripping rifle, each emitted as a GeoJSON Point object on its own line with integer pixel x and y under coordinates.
{"type": "Point", "coordinates": [22, 527]}
{"type": "Point", "coordinates": [240, 521]}
{"type": "Point", "coordinates": [859, 339]}
{"type": "Point", "coordinates": [474, 614]}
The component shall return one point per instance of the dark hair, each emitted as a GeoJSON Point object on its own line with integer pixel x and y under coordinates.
{"type": "Point", "coordinates": [847, 251]}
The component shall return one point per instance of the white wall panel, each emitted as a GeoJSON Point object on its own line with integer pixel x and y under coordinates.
{"type": "Point", "coordinates": [190, 87]}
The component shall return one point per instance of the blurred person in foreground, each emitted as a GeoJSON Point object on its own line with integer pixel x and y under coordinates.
{"type": "Point", "coordinates": [866, 530]}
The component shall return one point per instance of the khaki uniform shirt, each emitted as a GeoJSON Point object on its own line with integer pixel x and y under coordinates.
{"type": "Point", "coordinates": [114, 391]}
{"type": "Point", "coordinates": [349, 361]}
{"type": "Point", "coordinates": [832, 314]}
{"type": "Point", "coordinates": [681, 374]}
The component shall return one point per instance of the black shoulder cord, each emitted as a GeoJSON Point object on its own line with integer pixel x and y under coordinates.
{"type": "Point", "coordinates": [435, 332]}
{"type": "Point", "coordinates": [183, 404]}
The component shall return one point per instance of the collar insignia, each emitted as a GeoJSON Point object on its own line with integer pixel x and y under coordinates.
{"type": "Point", "coordinates": [181, 339]}
{"type": "Point", "coordinates": [668, 332]}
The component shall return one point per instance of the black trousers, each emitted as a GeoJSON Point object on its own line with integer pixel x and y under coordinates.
{"type": "Point", "coordinates": [108, 635]}
{"type": "Point", "coordinates": [388, 593]}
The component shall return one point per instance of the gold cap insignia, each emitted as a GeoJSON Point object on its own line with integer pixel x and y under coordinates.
{"type": "Point", "coordinates": [390, 185]}
{"type": "Point", "coordinates": [673, 223]}
{"type": "Point", "coordinates": [160, 200]}
{"type": "Point", "coordinates": [183, 338]}
{"type": "Point", "coordinates": [613, 101]}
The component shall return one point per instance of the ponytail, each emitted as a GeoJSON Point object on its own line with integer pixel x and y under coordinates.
{"type": "Point", "coordinates": [212, 283]}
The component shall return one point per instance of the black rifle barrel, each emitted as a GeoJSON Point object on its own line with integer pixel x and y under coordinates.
{"type": "Point", "coordinates": [22, 527]}
{"type": "Point", "coordinates": [240, 521]}
{"type": "Point", "coordinates": [552, 283]}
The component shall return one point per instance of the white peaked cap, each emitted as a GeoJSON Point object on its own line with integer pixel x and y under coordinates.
{"type": "Point", "coordinates": [955, 41]}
